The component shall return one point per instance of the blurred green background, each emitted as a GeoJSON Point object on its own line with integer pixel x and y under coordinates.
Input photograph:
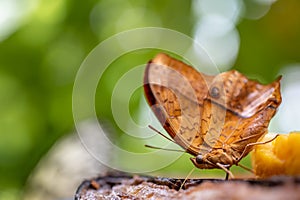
{"type": "Point", "coordinates": [43, 43]}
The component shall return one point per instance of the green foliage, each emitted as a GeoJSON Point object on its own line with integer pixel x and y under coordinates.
{"type": "Point", "coordinates": [38, 64]}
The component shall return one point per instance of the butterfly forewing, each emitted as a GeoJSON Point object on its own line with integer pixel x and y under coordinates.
{"type": "Point", "coordinates": [174, 100]}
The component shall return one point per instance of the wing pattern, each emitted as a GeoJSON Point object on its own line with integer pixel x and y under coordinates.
{"type": "Point", "coordinates": [202, 112]}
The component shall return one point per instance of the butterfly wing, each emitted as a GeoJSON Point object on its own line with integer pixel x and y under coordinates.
{"type": "Point", "coordinates": [175, 93]}
{"type": "Point", "coordinates": [242, 96]}
{"type": "Point", "coordinates": [249, 107]}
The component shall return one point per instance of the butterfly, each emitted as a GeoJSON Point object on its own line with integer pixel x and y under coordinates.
{"type": "Point", "coordinates": [217, 119]}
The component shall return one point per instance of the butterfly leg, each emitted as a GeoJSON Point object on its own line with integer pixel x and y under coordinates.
{"type": "Point", "coordinates": [253, 144]}
{"type": "Point", "coordinates": [226, 177]}
{"type": "Point", "coordinates": [226, 169]}
{"type": "Point", "coordinates": [245, 168]}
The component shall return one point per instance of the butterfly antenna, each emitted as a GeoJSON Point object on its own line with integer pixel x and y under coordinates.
{"type": "Point", "coordinates": [186, 178]}
{"type": "Point", "coordinates": [153, 147]}
{"type": "Point", "coordinates": [157, 131]}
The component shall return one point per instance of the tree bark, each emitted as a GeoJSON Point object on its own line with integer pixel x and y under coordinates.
{"type": "Point", "coordinates": [124, 186]}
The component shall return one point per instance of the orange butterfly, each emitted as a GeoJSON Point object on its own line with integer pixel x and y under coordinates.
{"type": "Point", "coordinates": [217, 119]}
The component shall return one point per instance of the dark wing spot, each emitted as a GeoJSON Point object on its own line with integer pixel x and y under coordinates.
{"type": "Point", "coordinates": [214, 92]}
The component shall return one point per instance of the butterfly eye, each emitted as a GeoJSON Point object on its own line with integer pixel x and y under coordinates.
{"type": "Point", "coordinates": [214, 92]}
{"type": "Point", "coordinates": [199, 159]}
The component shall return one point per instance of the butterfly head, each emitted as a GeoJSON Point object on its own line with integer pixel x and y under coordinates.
{"type": "Point", "coordinates": [202, 163]}
{"type": "Point", "coordinates": [210, 160]}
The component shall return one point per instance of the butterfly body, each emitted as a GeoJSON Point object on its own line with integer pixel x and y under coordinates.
{"type": "Point", "coordinates": [214, 118]}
